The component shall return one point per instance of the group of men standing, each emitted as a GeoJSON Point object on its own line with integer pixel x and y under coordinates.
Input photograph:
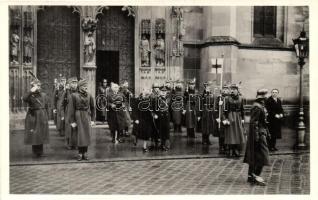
{"type": "Point", "coordinates": [75, 111]}
{"type": "Point", "coordinates": [151, 112]}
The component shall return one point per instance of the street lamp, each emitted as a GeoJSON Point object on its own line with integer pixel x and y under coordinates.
{"type": "Point", "coordinates": [301, 47]}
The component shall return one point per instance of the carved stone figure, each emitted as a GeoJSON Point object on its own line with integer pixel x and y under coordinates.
{"type": "Point", "coordinates": [14, 41]}
{"type": "Point", "coordinates": [28, 46]}
{"type": "Point", "coordinates": [145, 50]}
{"type": "Point", "coordinates": [90, 47]}
{"type": "Point", "coordinates": [160, 51]}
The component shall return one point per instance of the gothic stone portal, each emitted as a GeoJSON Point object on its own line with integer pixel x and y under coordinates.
{"type": "Point", "coordinates": [115, 33]}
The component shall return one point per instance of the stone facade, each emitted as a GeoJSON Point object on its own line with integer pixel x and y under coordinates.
{"type": "Point", "coordinates": [191, 36]}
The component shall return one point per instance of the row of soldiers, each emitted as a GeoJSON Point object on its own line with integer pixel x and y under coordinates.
{"type": "Point", "coordinates": [151, 112]}
{"type": "Point", "coordinates": [207, 111]}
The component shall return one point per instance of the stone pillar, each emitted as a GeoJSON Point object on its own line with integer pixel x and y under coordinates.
{"type": "Point", "coordinates": [88, 46]}
{"type": "Point", "coordinates": [220, 40]}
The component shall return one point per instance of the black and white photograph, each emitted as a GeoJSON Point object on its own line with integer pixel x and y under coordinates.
{"type": "Point", "coordinates": [164, 99]}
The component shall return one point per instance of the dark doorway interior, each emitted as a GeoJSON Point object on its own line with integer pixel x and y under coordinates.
{"type": "Point", "coordinates": [107, 66]}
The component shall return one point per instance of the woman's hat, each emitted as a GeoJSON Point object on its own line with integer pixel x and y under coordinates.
{"type": "Point", "coordinates": [261, 93]}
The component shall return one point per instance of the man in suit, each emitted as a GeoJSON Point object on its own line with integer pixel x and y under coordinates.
{"type": "Point", "coordinates": [275, 114]}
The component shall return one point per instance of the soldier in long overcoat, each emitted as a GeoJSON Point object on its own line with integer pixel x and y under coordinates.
{"type": "Point", "coordinates": [191, 109]}
{"type": "Point", "coordinates": [275, 114]}
{"type": "Point", "coordinates": [142, 115]}
{"type": "Point", "coordinates": [82, 117]}
{"type": "Point", "coordinates": [234, 133]}
{"type": "Point", "coordinates": [70, 133]}
{"type": "Point", "coordinates": [162, 117]}
{"type": "Point", "coordinates": [207, 115]}
{"type": "Point", "coordinates": [58, 101]}
{"type": "Point", "coordinates": [221, 123]}
{"type": "Point", "coordinates": [177, 107]}
{"type": "Point", "coordinates": [117, 116]}
{"type": "Point", "coordinates": [257, 154]}
{"type": "Point", "coordinates": [36, 121]}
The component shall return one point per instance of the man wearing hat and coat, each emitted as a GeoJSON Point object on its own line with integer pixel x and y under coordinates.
{"type": "Point", "coordinates": [58, 101]}
{"type": "Point", "coordinates": [234, 114]}
{"type": "Point", "coordinates": [207, 114]}
{"type": "Point", "coordinates": [70, 133]}
{"type": "Point", "coordinates": [177, 107]}
{"type": "Point", "coordinates": [257, 154]}
{"type": "Point", "coordinates": [82, 117]}
{"type": "Point", "coordinates": [36, 121]}
{"type": "Point", "coordinates": [162, 117]}
{"type": "Point", "coordinates": [191, 106]}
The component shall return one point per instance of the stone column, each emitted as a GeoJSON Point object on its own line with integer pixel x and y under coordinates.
{"type": "Point", "coordinates": [219, 40]}
{"type": "Point", "coordinates": [88, 46]}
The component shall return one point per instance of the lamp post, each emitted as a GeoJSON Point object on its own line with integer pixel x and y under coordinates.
{"type": "Point", "coordinates": [301, 48]}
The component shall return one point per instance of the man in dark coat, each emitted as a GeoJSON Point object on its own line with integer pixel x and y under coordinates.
{"type": "Point", "coordinates": [275, 114]}
{"type": "Point", "coordinates": [82, 117]}
{"type": "Point", "coordinates": [102, 101]}
{"type": "Point", "coordinates": [36, 121]}
{"type": "Point", "coordinates": [162, 117]}
{"type": "Point", "coordinates": [177, 107]}
{"type": "Point", "coordinates": [191, 108]}
{"type": "Point", "coordinates": [70, 133]}
{"type": "Point", "coordinates": [207, 114]}
{"type": "Point", "coordinates": [117, 116]}
{"type": "Point", "coordinates": [257, 154]}
{"type": "Point", "coordinates": [142, 115]}
{"type": "Point", "coordinates": [58, 100]}
{"type": "Point", "coordinates": [153, 96]}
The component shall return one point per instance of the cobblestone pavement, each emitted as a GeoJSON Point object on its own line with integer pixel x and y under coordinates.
{"type": "Point", "coordinates": [288, 174]}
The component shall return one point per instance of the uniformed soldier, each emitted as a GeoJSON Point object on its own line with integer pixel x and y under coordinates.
{"type": "Point", "coordinates": [234, 114]}
{"type": "Point", "coordinates": [207, 113]}
{"type": "Point", "coordinates": [70, 133]}
{"type": "Point", "coordinates": [221, 123]}
{"type": "Point", "coordinates": [191, 106]}
{"type": "Point", "coordinates": [162, 117]}
{"type": "Point", "coordinates": [58, 100]}
{"type": "Point", "coordinates": [257, 153]}
{"type": "Point", "coordinates": [36, 121]}
{"type": "Point", "coordinates": [177, 107]}
{"type": "Point", "coordinates": [82, 117]}
{"type": "Point", "coordinates": [153, 96]}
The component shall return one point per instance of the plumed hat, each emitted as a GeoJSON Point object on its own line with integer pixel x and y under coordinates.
{"type": "Point", "coordinates": [72, 80]}
{"type": "Point", "coordinates": [82, 83]}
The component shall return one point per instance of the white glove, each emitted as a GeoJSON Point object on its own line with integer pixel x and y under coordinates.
{"type": "Point", "coordinates": [92, 123]}
{"type": "Point", "coordinates": [62, 118]}
{"type": "Point", "coordinates": [218, 120]}
{"type": "Point", "coordinates": [155, 116]}
{"type": "Point", "coordinates": [73, 125]}
{"type": "Point", "coordinates": [220, 103]}
{"type": "Point", "coordinates": [183, 112]}
{"type": "Point", "coordinates": [242, 121]}
{"type": "Point", "coordinates": [33, 89]}
{"type": "Point", "coordinates": [277, 116]}
{"type": "Point", "coordinates": [137, 121]}
{"type": "Point", "coordinates": [199, 118]}
{"type": "Point", "coordinates": [224, 122]}
{"type": "Point", "coordinates": [54, 110]}
{"type": "Point", "coordinates": [281, 115]}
